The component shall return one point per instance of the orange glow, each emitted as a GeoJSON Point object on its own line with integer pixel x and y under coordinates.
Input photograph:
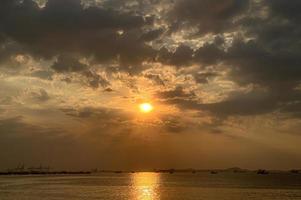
{"type": "Point", "coordinates": [146, 107]}
{"type": "Point", "coordinates": [146, 186]}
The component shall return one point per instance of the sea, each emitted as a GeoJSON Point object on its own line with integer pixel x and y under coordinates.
{"type": "Point", "coordinates": [153, 186]}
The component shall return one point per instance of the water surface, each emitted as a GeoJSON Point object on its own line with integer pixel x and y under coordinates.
{"type": "Point", "coordinates": [153, 186]}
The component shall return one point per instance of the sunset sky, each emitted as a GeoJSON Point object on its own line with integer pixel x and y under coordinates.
{"type": "Point", "coordinates": [143, 84]}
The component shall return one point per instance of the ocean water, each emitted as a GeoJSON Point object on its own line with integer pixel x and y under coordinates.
{"type": "Point", "coordinates": [153, 186]}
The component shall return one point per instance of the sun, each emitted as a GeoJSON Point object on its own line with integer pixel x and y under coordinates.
{"type": "Point", "coordinates": [146, 107]}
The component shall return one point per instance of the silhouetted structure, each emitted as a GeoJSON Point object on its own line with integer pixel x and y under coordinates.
{"type": "Point", "coordinates": [295, 171]}
{"type": "Point", "coordinates": [262, 171]}
{"type": "Point", "coordinates": [22, 170]}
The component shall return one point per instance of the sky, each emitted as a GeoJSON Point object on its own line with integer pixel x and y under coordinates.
{"type": "Point", "coordinates": [223, 77]}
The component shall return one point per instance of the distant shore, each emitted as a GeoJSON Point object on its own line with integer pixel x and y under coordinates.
{"type": "Point", "coordinates": [44, 173]}
{"type": "Point", "coordinates": [170, 171]}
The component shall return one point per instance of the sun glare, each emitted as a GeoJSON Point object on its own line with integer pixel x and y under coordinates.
{"type": "Point", "coordinates": [146, 107]}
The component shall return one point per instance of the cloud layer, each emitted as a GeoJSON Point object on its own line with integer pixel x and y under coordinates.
{"type": "Point", "coordinates": [78, 69]}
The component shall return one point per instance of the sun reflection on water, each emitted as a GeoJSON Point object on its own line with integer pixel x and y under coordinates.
{"type": "Point", "coordinates": [146, 186]}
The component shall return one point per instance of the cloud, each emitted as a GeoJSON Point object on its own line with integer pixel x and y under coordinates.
{"type": "Point", "coordinates": [66, 27]}
{"type": "Point", "coordinates": [41, 95]}
{"type": "Point", "coordinates": [7, 50]}
{"type": "Point", "coordinates": [205, 77]}
{"type": "Point", "coordinates": [105, 116]}
{"type": "Point", "coordinates": [108, 89]}
{"type": "Point", "coordinates": [266, 55]}
{"type": "Point", "coordinates": [151, 35]}
{"type": "Point", "coordinates": [248, 49]}
{"type": "Point", "coordinates": [43, 74]}
{"type": "Point", "coordinates": [209, 54]}
{"type": "Point", "coordinates": [181, 57]}
{"type": "Point", "coordinates": [18, 129]}
{"type": "Point", "coordinates": [156, 78]}
{"type": "Point", "coordinates": [73, 71]}
{"type": "Point", "coordinates": [174, 124]}
{"type": "Point", "coordinates": [209, 16]}
{"type": "Point", "coordinates": [68, 64]}
{"type": "Point", "coordinates": [95, 80]}
{"type": "Point", "coordinates": [256, 63]}
{"type": "Point", "coordinates": [252, 103]}
{"type": "Point", "coordinates": [6, 100]}
{"type": "Point", "coordinates": [176, 93]}
{"type": "Point", "coordinates": [286, 9]}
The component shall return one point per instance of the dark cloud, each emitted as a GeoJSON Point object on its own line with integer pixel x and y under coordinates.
{"type": "Point", "coordinates": [210, 16]}
{"type": "Point", "coordinates": [152, 35]}
{"type": "Point", "coordinates": [194, 48]}
{"type": "Point", "coordinates": [8, 49]}
{"type": "Point", "coordinates": [40, 96]}
{"type": "Point", "coordinates": [177, 93]}
{"type": "Point", "coordinates": [205, 77]}
{"type": "Point", "coordinates": [267, 54]}
{"type": "Point", "coordinates": [95, 80]}
{"type": "Point", "coordinates": [209, 54]}
{"type": "Point", "coordinates": [156, 78]}
{"type": "Point", "coordinates": [286, 9]}
{"type": "Point", "coordinates": [174, 124]}
{"type": "Point", "coordinates": [252, 103]}
{"type": "Point", "coordinates": [68, 64]}
{"type": "Point", "coordinates": [6, 100]}
{"type": "Point", "coordinates": [42, 74]}
{"type": "Point", "coordinates": [104, 116]}
{"type": "Point", "coordinates": [108, 89]}
{"type": "Point", "coordinates": [292, 108]}
{"type": "Point", "coordinates": [254, 63]}
{"type": "Point", "coordinates": [65, 27]}
{"type": "Point", "coordinates": [182, 56]}
{"type": "Point", "coordinates": [270, 60]}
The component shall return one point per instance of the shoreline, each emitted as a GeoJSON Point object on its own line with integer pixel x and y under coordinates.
{"type": "Point", "coordinates": [43, 173]}
{"type": "Point", "coordinates": [170, 171]}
